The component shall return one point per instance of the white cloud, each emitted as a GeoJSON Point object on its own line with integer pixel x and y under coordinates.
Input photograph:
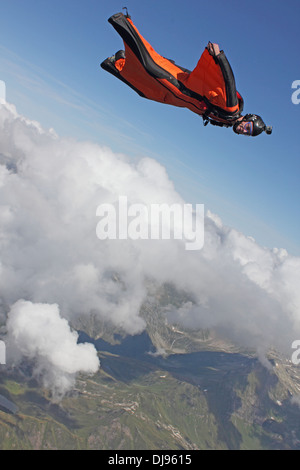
{"type": "Point", "coordinates": [37, 331]}
{"type": "Point", "coordinates": [50, 188]}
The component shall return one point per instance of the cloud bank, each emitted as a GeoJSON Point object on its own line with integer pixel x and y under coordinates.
{"type": "Point", "coordinates": [53, 267]}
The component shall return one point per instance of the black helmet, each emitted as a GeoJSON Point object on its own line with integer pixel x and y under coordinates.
{"type": "Point", "coordinates": [256, 125]}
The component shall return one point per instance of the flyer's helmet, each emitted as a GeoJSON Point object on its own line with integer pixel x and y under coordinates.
{"type": "Point", "coordinates": [251, 124]}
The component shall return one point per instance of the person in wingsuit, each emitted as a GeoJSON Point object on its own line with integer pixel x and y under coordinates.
{"type": "Point", "coordinates": [209, 90]}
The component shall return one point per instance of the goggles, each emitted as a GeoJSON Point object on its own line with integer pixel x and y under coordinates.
{"type": "Point", "coordinates": [245, 127]}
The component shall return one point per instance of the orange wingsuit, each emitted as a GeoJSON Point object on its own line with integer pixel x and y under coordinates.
{"type": "Point", "coordinates": [209, 90]}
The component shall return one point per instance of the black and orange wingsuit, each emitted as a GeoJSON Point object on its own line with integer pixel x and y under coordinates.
{"type": "Point", "coordinates": [209, 90]}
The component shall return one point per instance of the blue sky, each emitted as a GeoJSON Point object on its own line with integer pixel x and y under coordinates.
{"type": "Point", "coordinates": [50, 53]}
